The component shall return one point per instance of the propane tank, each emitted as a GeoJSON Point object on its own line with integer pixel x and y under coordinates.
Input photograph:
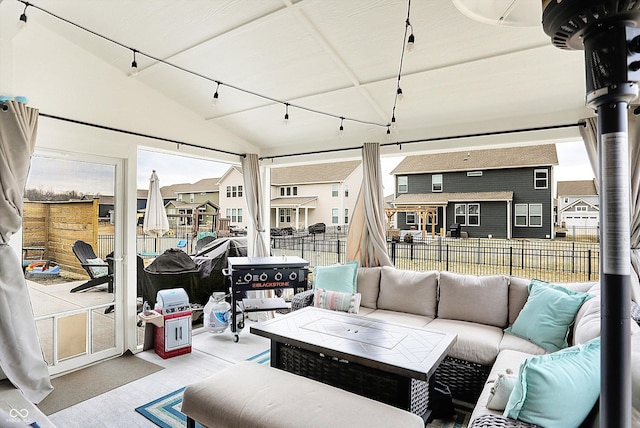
{"type": "Point", "coordinates": [217, 313]}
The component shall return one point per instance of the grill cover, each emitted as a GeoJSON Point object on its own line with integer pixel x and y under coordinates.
{"type": "Point", "coordinates": [172, 269]}
{"type": "Point", "coordinates": [212, 259]}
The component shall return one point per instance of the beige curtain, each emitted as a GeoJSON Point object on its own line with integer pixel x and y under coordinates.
{"type": "Point", "coordinates": [367, 240]}
{"type": "Point", "coordinates": [255, 202]}
{"type": "Point", "coordinates": [590, 136]}
{"type": "Point", "coordinates": [20, 354]}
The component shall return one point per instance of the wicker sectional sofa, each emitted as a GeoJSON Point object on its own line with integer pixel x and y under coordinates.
{"type": "Point", "coordinates": [478, 309]}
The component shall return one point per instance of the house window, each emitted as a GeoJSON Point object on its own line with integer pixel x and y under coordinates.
{"type": "Point", "coordinates": [581, 209]}
{"type": "Point", "coordinates": [179, 196]}
{"type": "Point", "coordinates": [335, 190]}
{"type": "Point", "coordinates": [436, 183]}
{"type": "Point", "coordinates": [334, 216]}
{"type": "Point", "coordinates": [346, 190]}
{"type": "Point", "coordinates": [192, 197]}
{"type": "Point", "coordinates": [535, 215]}
{"type": "Point", "coordinates": [346, 216]}
{"type": "Point", "coordinates": [285, 215]}
{"type": "Point", "coordinates": [467, 214]}
{"type": "Point", "coordinates": [235, 214]}
{"type": "Point", "coordinates": [474, 173]}
{"type": "Point", "coordinates": [522, 214]}
{"type": "Point", "coordinates": [540, 179]}
{"type": "Point", "coordinates": [234, 191]}
{"type": "Point", "coordinates": [403, 184]}
{"type": "Point", "coordinates": [473, 215]}
{"type": "Point", "coordinates": [289, 191]}
{"type": "Point", "coordinates": [460, 211]}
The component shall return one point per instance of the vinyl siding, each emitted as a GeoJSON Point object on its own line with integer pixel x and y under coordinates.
{"type": "Point", "coordinates": [493, 219]}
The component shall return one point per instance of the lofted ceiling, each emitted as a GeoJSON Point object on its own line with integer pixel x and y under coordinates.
{"type": "Point", "coordinates": [334, 56]}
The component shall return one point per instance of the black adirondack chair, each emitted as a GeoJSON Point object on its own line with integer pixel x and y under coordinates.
{"type": "Point", "coordinates": [84, 252]}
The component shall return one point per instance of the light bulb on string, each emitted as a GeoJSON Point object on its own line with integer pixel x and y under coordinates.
{"type": "Point", "coordinates": [410, 42]}
{"type": "Point", "coordinates": [399, 94]}
{"type": "Point", "coordinates": [22, 22]}
{"type": "Point", "coordinates": [341, 130]}
{"type": "Point", "coordinates": [393, 121]}
{"type": "Point", "coordinates": [286, 113]}
{"type": "Point", "coordinates": [134, 64]}
{"type": "Point", "coordinates": [214, 99]}
{"type": "Point", "coordinates": [388, 132]}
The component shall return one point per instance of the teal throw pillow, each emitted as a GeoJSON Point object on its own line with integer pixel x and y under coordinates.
{"type": "Point", "coordinates": [342, 278]}
{"type": "Point", "coordinates": [557, 390]}
{"type": "Point", "coordinates": [548, 315]}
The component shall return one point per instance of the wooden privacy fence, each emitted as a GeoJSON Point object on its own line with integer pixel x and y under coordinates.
{"type": "Point", "coordinates": [55, 226]}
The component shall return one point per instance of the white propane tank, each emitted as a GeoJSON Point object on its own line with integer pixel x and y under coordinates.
{"type": "Point", "coordinates": [217, 313]}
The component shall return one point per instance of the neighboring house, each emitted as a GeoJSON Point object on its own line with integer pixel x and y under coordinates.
{"type": "Point", "coordinates": [105, 206]}
{"type": "Point", "coordinates": [578, 203]}
{"type": "Point", "coordinates": [192, 207]}
{"type": "Point", "coordinates": [186, 217]}
{"type": "Point", "coordinates": [503, 193]}
{"type": "Point", "coordinates": [233, 204]}
{"type": "Point", "coordinates": [319, 193]}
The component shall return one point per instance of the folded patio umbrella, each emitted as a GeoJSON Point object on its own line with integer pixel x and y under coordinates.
{"type": "Point", "coordinates": [155, 222]}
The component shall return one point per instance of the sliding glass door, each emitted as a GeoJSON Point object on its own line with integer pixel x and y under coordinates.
{"type": "Point", "coordinates": [72, 257]}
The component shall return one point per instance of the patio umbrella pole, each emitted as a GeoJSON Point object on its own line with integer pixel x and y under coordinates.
{"type": "Point", "coordinates": [607, 31]}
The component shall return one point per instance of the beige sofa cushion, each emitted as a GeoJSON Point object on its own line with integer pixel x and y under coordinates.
{"type": "Point", "coordinates": [408, 291]}
{"type": "Point", "coordinates": [481, 299]}
{"type": "Point", "coordinates": [271, 397]}
{"type": "Point", "coordinates": [400, 317]}
{"type": "Point", "coordinates": [477, 343]}
{"type": "Point", "coordinates": [506, 360]}
{"type": "Point", "coordinates": [368, 285]}
{"type": "Point", "coordinates": [514, 343]}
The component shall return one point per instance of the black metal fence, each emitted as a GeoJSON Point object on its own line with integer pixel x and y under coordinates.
{"type": "Point", "coordinates": [556, 261]}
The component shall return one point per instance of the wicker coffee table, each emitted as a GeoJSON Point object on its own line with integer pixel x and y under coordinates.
{"type": "Point", "coordinates": [385, 361]}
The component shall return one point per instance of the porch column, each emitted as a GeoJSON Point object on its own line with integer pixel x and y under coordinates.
{"type": "Point", "coordinates": [297, 217]}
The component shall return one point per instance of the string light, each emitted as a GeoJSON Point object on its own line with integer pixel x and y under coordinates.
{"type": "Point", "coordinates": [134, 71]}
{"type": "Point", "coordinates": [408, 47]}
{"type": "Point", "coordinates": [286, 113]}
{"type": "Point", "coordinates": [411, 40]}
{"type": "Point", "coordinates": [134, 64]}
{"type": "Point", "coordinates": [214, 99]}
{"type": "Point", "coordinates": [23, 18]}
{"type": "Point", "coordinates": [341, 130]}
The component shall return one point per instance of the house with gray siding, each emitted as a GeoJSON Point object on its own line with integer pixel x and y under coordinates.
{"type": "Point", "coordinates": [500, 193]}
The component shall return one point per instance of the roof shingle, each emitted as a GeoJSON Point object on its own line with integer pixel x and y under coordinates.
{"type": "Point", "coordinates": [508, 157]}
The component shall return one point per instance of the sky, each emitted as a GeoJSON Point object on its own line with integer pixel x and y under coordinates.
{"type": "Point", "coordinates": [171, 169]}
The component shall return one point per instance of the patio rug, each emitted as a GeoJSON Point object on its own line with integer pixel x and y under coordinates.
{"type": "Point", "coordinates": [165, 411]}
{"type": "Point", "coordinates": [92, 381]}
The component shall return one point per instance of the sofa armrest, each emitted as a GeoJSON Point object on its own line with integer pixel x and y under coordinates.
{"type": "Point", "coordinates": [302, 300]}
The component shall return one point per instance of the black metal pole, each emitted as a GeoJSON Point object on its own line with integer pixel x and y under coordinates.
{"type": "Point", "coordinates": [608, 31]}
{"type": "Point", "coordinates": [615, 386]}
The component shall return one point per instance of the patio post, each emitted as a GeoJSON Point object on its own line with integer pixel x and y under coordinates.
{"type": "Point", "coordinates": [611, 41]}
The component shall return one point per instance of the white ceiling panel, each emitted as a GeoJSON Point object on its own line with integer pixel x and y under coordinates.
{"type": "Point", "coordinates": [335, 56]}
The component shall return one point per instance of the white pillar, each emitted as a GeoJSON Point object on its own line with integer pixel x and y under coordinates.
{"type": "Point", "coordinates": [297, 217]}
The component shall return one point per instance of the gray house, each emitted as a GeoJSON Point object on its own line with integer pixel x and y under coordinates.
{"type": "Point", "coordinates": [502, 193]}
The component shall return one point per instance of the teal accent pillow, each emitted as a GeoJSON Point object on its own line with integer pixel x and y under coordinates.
{"type": "Point", "coordinates": [548, 315]}
{"type": "Point", "coordinates": [557, 390]}
{"type": "Point", "coordinates": [342, 278]}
